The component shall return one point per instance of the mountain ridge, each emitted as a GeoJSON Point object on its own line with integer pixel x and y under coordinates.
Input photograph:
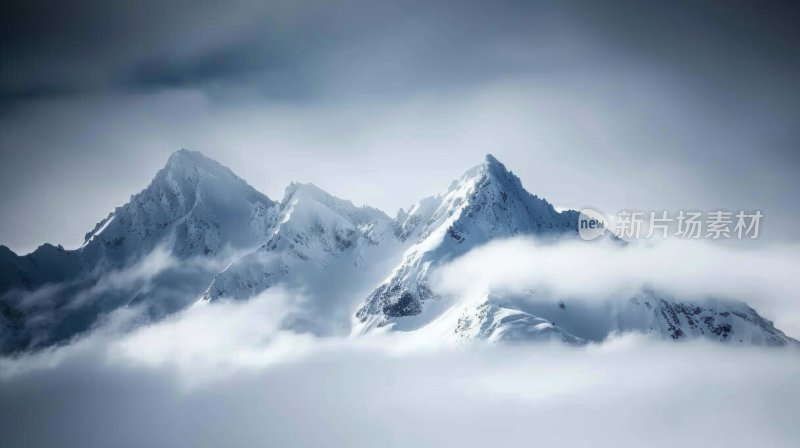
{"type": "Point", "coordinates": [359, 270]}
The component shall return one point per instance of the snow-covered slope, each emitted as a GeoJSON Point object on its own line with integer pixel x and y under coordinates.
{"type": "Point", "coordinates": [483, 317]}
{"type": "Point", "coordinates": [194, 205]}
{"type": "Point", "coordinates": [498, 316]}
{"type": "Point", "coordinates": [487, 202]}
{"type": "Point", "coordinates": [322, 246]}
{"type": "Point", "coordinates": [194, 209]}
{"type": "Point", "coordinates": [652, 313]}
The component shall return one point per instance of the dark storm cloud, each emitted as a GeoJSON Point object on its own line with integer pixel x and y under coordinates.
{"type": "Point", "coordinates": [56, 47]}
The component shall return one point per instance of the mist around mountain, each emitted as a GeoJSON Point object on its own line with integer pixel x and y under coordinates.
{"type": "Point", "coordinates": [198, 234]}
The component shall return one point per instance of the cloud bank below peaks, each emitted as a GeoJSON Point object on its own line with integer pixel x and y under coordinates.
{"type": "Point", "coordinates": [764, 277]}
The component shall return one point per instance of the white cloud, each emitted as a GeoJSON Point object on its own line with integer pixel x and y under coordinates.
{"type": "Point", "coordinates": [763, 277]}
{"type": "Point", "coordinates": [213, 339]}
{"type": "Point", "coordinates": [630, 391]}
{"type": "Point", "coordinates": [225, 374]}
{"type": "Point", "coordinates": [156, 285]}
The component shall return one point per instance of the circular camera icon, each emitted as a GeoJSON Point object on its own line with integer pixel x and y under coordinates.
{"type": "Point", "coordinates": [592, 224]}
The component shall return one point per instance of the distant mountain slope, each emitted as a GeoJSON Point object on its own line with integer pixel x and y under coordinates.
{"type": "Point", "coordinates": [47, 264]}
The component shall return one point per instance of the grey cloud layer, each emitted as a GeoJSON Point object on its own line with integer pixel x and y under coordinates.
{"type": "Point", "coordinates": [100, 45]}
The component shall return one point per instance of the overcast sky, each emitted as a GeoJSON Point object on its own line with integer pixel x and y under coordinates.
{"type": "Point", "coordinates": [648, 105]}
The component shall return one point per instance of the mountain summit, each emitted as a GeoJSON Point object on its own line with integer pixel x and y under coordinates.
{"type": "Point", "coordinates": [194, 205]}
{"type": "Point", "coordinates": [193, 208]}
{"type": "Point", "coordinates": [487, 202]}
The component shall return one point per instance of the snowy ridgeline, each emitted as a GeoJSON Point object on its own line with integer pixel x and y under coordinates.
{"type": "Point", "coordinates": [200, 232]}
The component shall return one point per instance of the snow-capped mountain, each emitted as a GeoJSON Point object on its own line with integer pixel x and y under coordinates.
{"type": "Point", "coordinates": [194, 206]}
{"type": "Point", "coordinates": [323, 246]}
{"type": "Point", "coordinates": [487, 202]}
{"type": "Point", "coordinates": [200, 232]}
{"type": "Point", "coordinates": [194, 209]}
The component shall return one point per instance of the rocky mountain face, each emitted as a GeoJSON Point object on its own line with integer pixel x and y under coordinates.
{"type": "Point", "coordinates": [200, 232]}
